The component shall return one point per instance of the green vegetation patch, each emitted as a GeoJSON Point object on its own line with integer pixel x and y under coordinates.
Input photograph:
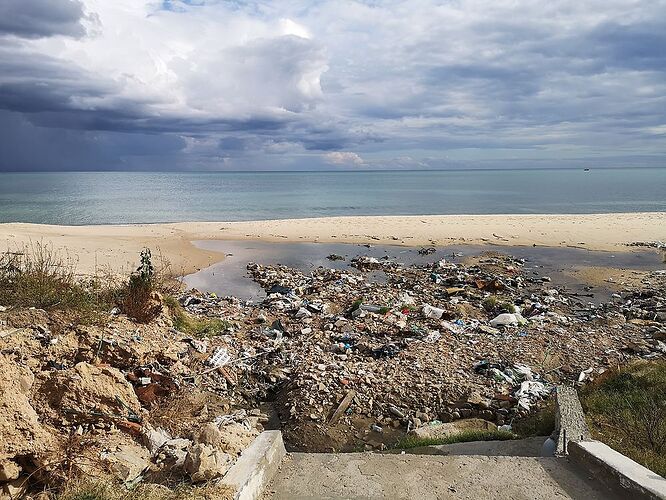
{"type": "Point", "coordinates": [626, 409]}
{"type": "Point", "coordinates": [494, 304]}
{"type": "Point", "coordinates": [462, 437]}
{"type": "Point", "coordinates": [37, 275]}
{"type": "Point", "coordinates": [196, 327]}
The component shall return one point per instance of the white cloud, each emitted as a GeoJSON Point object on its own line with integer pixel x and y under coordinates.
{"type": "Point", "coordinates": [343, 158]}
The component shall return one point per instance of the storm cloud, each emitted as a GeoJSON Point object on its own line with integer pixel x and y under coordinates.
{"type": "Point", "coordinates": [42, 18]}
{"type": "Point", "coordinates": [139, 84]}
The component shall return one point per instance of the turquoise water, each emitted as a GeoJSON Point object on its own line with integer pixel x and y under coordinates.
{"type": "Point", "coordinates": [121, 197]}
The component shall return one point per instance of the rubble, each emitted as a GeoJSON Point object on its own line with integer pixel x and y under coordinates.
{"type": "Point", "coordinates": [347, 358]}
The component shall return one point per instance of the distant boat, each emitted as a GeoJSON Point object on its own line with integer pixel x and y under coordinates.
{"type": "Point", "coordinates": [586, 169]}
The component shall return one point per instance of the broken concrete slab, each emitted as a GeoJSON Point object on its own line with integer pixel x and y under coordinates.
{"type": "Point", "coordinates": [569, 418]}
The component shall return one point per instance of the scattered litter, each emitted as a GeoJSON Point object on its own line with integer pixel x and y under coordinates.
{"type": "Point", "coordinates": [219, 358]}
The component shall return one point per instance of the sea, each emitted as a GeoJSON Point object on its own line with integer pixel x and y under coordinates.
{"type": "Point", "coordinates": [79, 198]}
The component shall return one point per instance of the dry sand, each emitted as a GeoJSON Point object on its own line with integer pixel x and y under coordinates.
{"type": "Point", "coordinates": [117, 246]}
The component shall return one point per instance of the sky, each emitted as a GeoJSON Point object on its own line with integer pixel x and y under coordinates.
{"type": "Point", "coordinates": [311, 84]}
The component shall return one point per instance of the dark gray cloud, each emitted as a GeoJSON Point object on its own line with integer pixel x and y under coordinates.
{"type": "Point", "coordinates": [41, 18]}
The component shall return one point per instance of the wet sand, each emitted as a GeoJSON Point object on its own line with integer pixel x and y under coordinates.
{"type": "Point", "coordinates": [117, 246]}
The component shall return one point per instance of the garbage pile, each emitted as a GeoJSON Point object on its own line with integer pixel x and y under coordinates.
{"type": "Point", "coordinates": [349, 358]}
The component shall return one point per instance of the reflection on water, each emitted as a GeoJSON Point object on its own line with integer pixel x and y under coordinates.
{"type": "Point", "coordinates": [230, 277]}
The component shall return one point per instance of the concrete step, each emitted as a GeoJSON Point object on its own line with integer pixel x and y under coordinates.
{"type": "Point", "coordinates": [371, 475]}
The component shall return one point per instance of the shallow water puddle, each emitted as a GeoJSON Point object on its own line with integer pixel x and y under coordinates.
{"type": "Point", "coordinates": [230, 277]}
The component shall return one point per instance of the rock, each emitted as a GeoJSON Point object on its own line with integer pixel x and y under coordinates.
{"type": "Point", "coordinates": [395, 411]}
{"type": "Point", "coordinates": [261, 318]}
{"type": "Point", "coordinates": [232, 438]}
{"type": "Point", "coordinates": [445, 417]}
{"type": "Point", "coordinates": [203, 463]}
{"type": "Point", "coordinates": [174, 452]}
{"type": "Point", "coordinates": [9, 471]}
{"type": "Point", "coordinates": [25, 381]}
{"type": "Point", "coordinates": [302, 313]}
{"type": "Point", "coordinates": [210, 434]}
{"type": "Point", "coordinates": [451, 428]}
{"type": "Point", "coordinates": [155, 438]}
{"type": "Point", "coordinates": [87, 388]}
{"type": "Point", "coordinates": [474, 398]}
{"type": "Point", "coordinates": [128, 462]}
{"type": "Point", "coordinates": [423, 416]}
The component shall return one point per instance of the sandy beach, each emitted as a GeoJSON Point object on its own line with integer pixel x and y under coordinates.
{"type": "Point", "coordinates": [117, 246]}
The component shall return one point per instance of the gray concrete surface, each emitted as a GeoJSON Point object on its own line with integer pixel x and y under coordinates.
{"type": "Point", "coordinates": [528, 447]}
{"type": "Point", "coordinates": [613, 468]}
{"type": "Point", "coordinates": [255, 468]}
{"type": "Point", "coordinates": [368, 475]}
{"type": "Point", "coordinates": [570, 419]}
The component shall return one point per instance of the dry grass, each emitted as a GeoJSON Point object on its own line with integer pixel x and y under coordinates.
{"type": "Point", "coordinates": [83, 489]}
{"type": "Point", "coordinates": [539, 423]}
{"type": "Point", "coordinates": [37, 275]}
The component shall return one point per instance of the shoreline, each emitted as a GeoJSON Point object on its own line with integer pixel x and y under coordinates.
{"type": "Point", "coordinates": [117, 247]}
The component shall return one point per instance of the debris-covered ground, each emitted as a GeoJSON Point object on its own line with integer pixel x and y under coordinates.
{"type": "Point", "coordinates": [347, 364]}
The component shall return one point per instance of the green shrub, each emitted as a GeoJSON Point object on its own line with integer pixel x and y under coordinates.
{"type": "Point", "coordinates": [138, 299]}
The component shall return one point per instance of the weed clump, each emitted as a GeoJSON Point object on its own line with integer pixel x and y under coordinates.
{"type": "Point", "coordinates": [88, 489]}
{"type": "Point", "coordinates": [493, 304]}
{"type": "Point", "coordinates": [140, 299]}
{"type": "Point", "coordinates": [37, 275]}
{"type": "Point", "coordinates": [196, 327]}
